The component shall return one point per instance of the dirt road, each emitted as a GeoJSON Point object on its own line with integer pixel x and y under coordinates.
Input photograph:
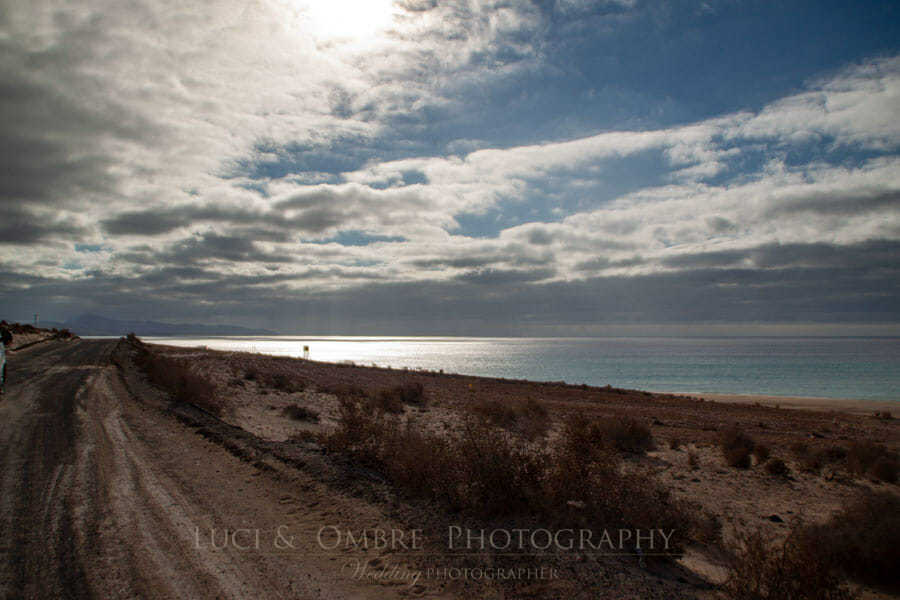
{"type": "Point", "coordinates": [106, 495]}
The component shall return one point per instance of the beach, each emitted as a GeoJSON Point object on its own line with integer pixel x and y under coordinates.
{"type": "Point", "coordinates": [844, 405]}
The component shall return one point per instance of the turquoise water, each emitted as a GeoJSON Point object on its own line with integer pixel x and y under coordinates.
{"type": "Point", "coordinates": [864, 368]}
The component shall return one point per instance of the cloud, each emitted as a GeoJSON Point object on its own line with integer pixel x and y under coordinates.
{"type": "Point", "coordinates": [209, 152]}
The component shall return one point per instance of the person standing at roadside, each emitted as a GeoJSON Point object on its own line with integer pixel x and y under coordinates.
{"type": "Point", "coordinates": [5, 340]}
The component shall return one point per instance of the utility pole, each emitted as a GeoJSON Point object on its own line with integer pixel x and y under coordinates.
{"type": "Point", "coordinates": [35, 319]}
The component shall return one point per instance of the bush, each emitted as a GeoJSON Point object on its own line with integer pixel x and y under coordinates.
{"type": "Point", "coordinates": [177, 378]}
{"type": "Point", "coordinates": [487, 472]}
{"type": "Point", "coordinates": [886, 469]}
{"type": "Point", "coordinates": [861, 541]}
{"type": "Point", "coordinates": [736, 448]}
{"type": "Point", "coordinates": [864, 538]}
{"type": "Point", "coordinates": [392, 399]}
{"type": "Point", "coordinates": [628, 435]}
{"type": "Point", "coordinates": [800, 449]}
{"type": "Point", "coordinates": [872, 459]}
{"type": "Point", "coordinates": [496, 413]}
{"type": "Point", "coordinates": [693, 460]}
{"type": "Point", "coordinates": [411, 392]}
{"type": "Point", "coordinates": [792, 570]}
{"type": "Point", "coordinates": [833, 454]}
{"type": "Point", "coordinates": [776, 467]}
{"type": "Point", "coordinates": [761, 452]}
{"type": "Point", "coordinates": [530, 418]}
{"type": "Point", "coordinates": [534, 420]}
{"type": "Point", "coordinates": [300, 413]}
{"type": "Point", "coordinates": [286, 383]}
{"type": "Point", "coordinates": [388, 403]}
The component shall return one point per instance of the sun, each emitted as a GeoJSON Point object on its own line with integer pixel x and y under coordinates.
{"type": "Point", "coordinates": [348, 20]}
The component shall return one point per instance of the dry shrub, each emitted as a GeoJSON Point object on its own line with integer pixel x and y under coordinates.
{"type": "Point", "coordinates": [628, 435]}
{"type": "Point", "coordinates": [674, 444]}
{"type": "Point", "coordinates": [300, 413]}
{"type": "Point", "coordinates": [792, 570]}
{"type": "Point", "coordinates": [736, 448]}
{"type": "Point", "coordinates": [358, 431]}
{"type": "Point", "coordinates": [488, 472]}
{"type": "Point", "coordinates": [833, 454]}
{"type": "Point", "coordinates": [390, 400]}
{"type": "Point", "coordinates": [304, 436]}
{"type": "Point", "coordinates": [800, 449]}
{"type": "Point", "coordinates": [529, 418]}
{"type": "Point", "coordinates": [693, 460]}
{"type": "Point", "coordinates": [886, 469]}
{"type": "Point", "coordinates": [496, 413]}
{"type": "Point", "coordinates": [761, 452]}
{"type": "Point", "coordinates": [534, 419]}
{"type": "Point", "coordinates": [410, 392]}
{"type": "Point", "coordinates": [343, 391]}
{"type": "Point", "coordinates": [776, 467]}
{"type": "Point", "coordinates": [584, 479]}
{"type": "Point", "coordinates": [873, 459]}
{"type": "Point", "coordinates": [863, 538]}
{"type": "Point", "coordinates": [286, 383]}
{"type": "Point", "coordinates": [388, 403]}
{"type": "Point", "coordinates": [861, 541]}
{"type": "Point", "coordinates": [176, 377]}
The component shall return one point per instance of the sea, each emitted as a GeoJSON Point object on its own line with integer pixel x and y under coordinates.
{"type": "Point", "coordinates": [866, 368]}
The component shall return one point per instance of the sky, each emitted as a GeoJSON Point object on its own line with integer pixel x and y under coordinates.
{"type": "Point", "coordinates": [459, 167]}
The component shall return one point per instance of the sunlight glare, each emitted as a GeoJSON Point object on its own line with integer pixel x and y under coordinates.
{"type": "Point", "coordinates": [352, 20]}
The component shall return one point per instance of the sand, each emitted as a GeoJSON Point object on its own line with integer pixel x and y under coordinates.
{"type": "Point", "coordinates": [846, 405]}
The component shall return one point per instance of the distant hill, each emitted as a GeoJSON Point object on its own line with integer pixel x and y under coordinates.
{"type": "Point", "coordinates": [97, 325]}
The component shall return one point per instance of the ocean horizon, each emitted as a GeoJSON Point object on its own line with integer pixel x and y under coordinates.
{"type": "Point", "coordinates": [865, 368]}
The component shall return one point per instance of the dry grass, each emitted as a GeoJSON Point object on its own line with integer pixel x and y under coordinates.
{"type": "Point", "coordinates": [177, 378]}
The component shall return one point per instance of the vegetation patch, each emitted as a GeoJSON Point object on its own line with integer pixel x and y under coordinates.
{"type": "Point", "coordinates": [176, 377]}
{"type": "Point", "coordinates": [300, 413]}
{"type": "Point", "coordinates": [488, 472]}
{"type": "Point", "coordinates": [736, 448]}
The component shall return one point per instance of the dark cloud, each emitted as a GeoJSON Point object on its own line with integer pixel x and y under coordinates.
{"type": "Point", "coordinates": [540, 237]}
{"type": "Point", "coordinates": [51, 137]}
{"type": "Point", "coordinates": [212, 246]}
{"type": "Point", "coordinates": [601, 262]}
{"type": "Point", "coordinates": [841, 293]}
{"type": "Point", "coordinates": [504, 276]}
{"type": "Point", "coordinates": [842, 204]}
{"type": "Point", "coordinates": [465, 262]}
{"type": "Point", "coordinates": [20, 226]}
{"type": "Point", "coordinates": [874, 254]}
{"type": "Point", "coordinates": [145, 222]}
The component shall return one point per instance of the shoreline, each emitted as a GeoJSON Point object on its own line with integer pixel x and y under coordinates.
{"type": "Point", "coordinates": [848, 405]}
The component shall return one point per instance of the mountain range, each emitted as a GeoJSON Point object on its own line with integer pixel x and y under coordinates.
{"type": "Point", "coordinates": [96, 325]}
